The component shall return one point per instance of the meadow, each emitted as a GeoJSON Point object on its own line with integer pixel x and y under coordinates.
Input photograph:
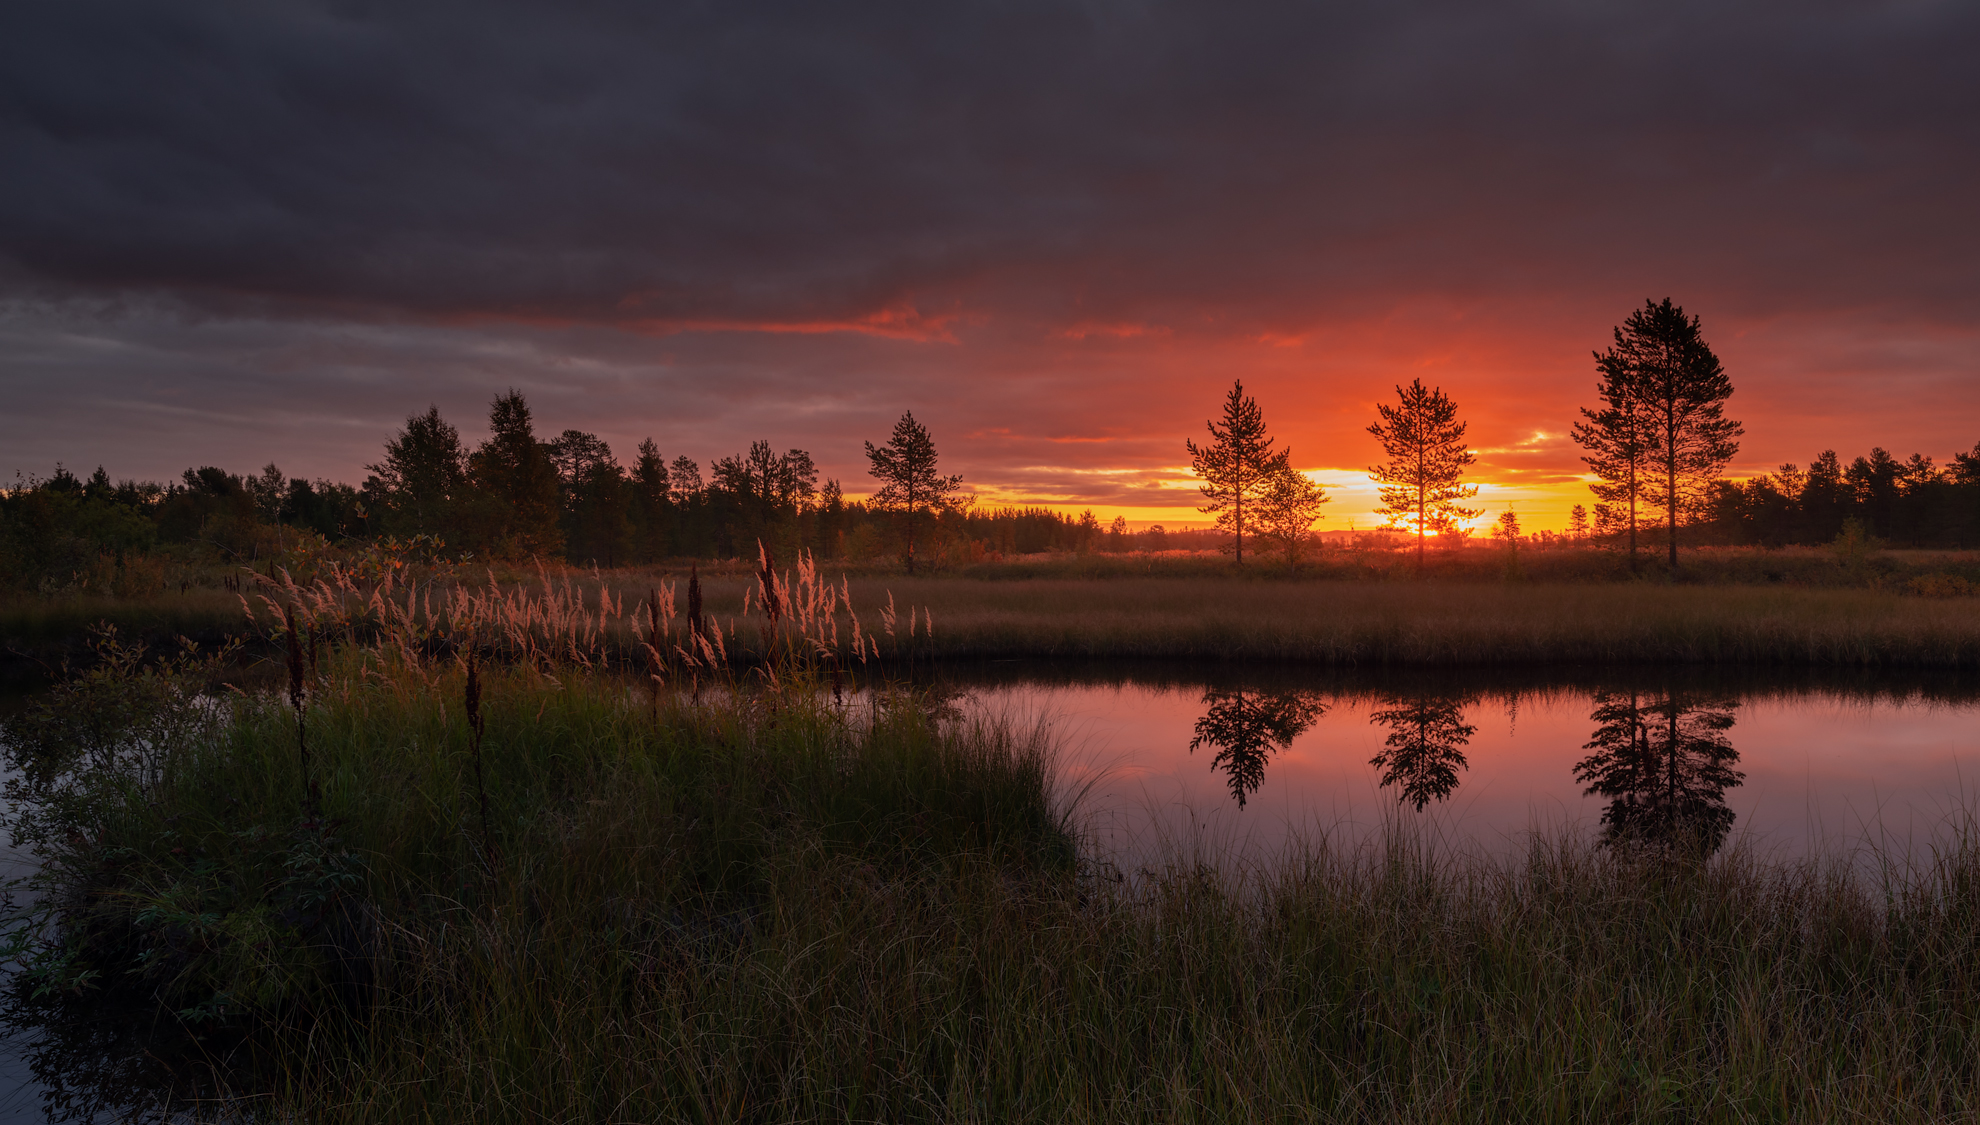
{"type": "Point", "coordinates": [483, 860]}
{"type": "Point", "coordinates": [1800, 607]}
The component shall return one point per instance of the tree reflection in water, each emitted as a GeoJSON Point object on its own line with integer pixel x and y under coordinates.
{"type": "Point", "coordinates": [1665, 765]}
{"type": "Point", "coordinates": [1246, 730]}
{"type": "Point", "coordinates": [1425, 747]}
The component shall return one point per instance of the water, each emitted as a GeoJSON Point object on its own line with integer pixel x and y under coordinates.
{"type": "Point", "coordinates": [1787, 765]}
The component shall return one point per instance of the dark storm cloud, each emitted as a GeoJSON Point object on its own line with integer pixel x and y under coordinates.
{"type": "Point", "coordinates": [919, 165]}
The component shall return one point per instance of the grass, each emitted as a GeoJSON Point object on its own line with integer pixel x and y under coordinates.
{"type": "Point", "coordinates": [1794, 608]}
{"type": "Point", "coordinates": [758, 904]}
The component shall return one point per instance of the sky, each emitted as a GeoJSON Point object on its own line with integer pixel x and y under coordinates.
{"type": "Point", "coordinates": [237, 233]}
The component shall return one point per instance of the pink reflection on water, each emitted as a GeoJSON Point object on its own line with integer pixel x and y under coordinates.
{"type": "Point", "coordinates": [1822, 771]}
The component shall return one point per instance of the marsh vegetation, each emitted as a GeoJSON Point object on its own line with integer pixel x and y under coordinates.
{"type": "Point", "coordinates": [778, 889]}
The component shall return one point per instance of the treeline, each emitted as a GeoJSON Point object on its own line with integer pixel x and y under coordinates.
{"type": "Point", "coordinates": [513, 496]}
{"type": "Point", "coordinates": [1911, 503]}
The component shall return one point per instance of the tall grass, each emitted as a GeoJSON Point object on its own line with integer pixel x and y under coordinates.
{"type": "Point", "coordinates": [609, 617]}
{"type": "Point", "coordinates": [1385, 984]}
{"type": "Point", "coordinates": [757, 904]}
{"type": "Point", "coordinates": [1403, 624]}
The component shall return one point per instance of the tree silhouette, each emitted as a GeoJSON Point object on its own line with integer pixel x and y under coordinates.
{"type": "Point", "coordinates": [1425, 747]}
{"type": "Point", "coordinates": [1237, 466]}
{"type": "Point", "coordinates": [422, 478]}
{"type": "Point", "coordinates": [1287, 510]}
{"type": "Point", "coordinates": [517, 484]}
{"type": "Point", "coordinates": [1614, 435]}
{"type": "Point", "coordinates": [1247, 731]}
{"type": "Point", "coordinates": [909, 484]}
{"type": "Point", "coordinates": [1424, 442]}
{"type": "Point", "coordinates": [1665, 395]}
{"type": "Point", "coordinates": [1665, 765]}
{"type": "Point", "coordinates": [597, 506]}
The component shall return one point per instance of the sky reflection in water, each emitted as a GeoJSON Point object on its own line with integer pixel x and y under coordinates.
{"type": "Point", "coordinates": [1784, 768]}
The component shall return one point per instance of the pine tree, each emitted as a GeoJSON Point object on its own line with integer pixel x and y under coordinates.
{"type": "Point", "coordinates": [423, 478]}
{"type": "Point", "coordinates": [518, 484]}
{"type": "Point", "coordinates": [1675, 391]}
{"type": "Point", "coordinates": [597, 514]}
{"type": "Point", "coordinates": [909, 484]}
{"type": "Point", "coordinates": [1237, 466]}
{"type": "Point", "coordinates": [1424, 442]}
{"type": "Point", "coordinates": [652, 502]}
{"type": "Point", "coordinates": [1614, 435]}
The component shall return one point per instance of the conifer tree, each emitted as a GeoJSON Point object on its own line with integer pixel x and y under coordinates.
{"type": "Point", "coordinates": [1237, 466]}
{"type": "Point", "coordinates": [652, 502]}
{"type": "Point", "coordinates": [909, 484]}
{"type": "Point", "coordinates": [1614, 435]}
{"type": "Point", "coordinates": [518, 484]}
{"type": "Point", "coordinates": [1662, 430]}
{"type": "Point", "coordinates": [1423, 480]}
{"type": "Point", "coordinates": [421, 481]}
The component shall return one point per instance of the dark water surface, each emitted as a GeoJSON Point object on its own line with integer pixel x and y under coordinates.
{"type": "Point", "coordinates": [1240, 760]}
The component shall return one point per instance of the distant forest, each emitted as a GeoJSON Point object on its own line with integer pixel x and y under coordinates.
{"type": "Point", "coordinates": [516, 496]}
{"type": "Point", "coordinates": [513, 497]}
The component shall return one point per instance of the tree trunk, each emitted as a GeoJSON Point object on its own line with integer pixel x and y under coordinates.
{"type": "Point", "coordinates": [1632, 520]}
{"type": "Point", "coordinates": [1673, 511]}
{"type": "Point", "coordinates": [1239, 505]}
{"type": "Point", "coordinates": [1421, 515]}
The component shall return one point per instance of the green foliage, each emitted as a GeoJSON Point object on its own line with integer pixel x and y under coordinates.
{"type": "Point", "coordinates": [766, 907]}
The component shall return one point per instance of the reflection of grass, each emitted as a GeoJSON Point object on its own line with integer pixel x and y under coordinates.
{"type": "Point", "coordinates": [755, 908]}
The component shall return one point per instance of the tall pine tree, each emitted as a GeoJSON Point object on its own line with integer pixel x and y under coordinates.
{"type": "Point", "coordinates": [1679, 390]}
{"type": "Point", "coordinates": [909, 484]}
{"type": "Point", "coordinates": [1614, 435]}
{"type": "Point", "coordinates": [1662, 432]}
{"type": "Point", "coordinates": [1423, 480]}
{"type": "Point", "coordinates": [419, 486]}
{"type": "Point", "coordinates": [518, 485]}
{"type": "Point", "coordinates": [1237, 466]}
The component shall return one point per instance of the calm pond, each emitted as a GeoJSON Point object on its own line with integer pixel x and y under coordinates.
{"type": "Point", "coordinates": [1220, 762]}
{"type": "Point", "coordinates": [1239, 761]}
